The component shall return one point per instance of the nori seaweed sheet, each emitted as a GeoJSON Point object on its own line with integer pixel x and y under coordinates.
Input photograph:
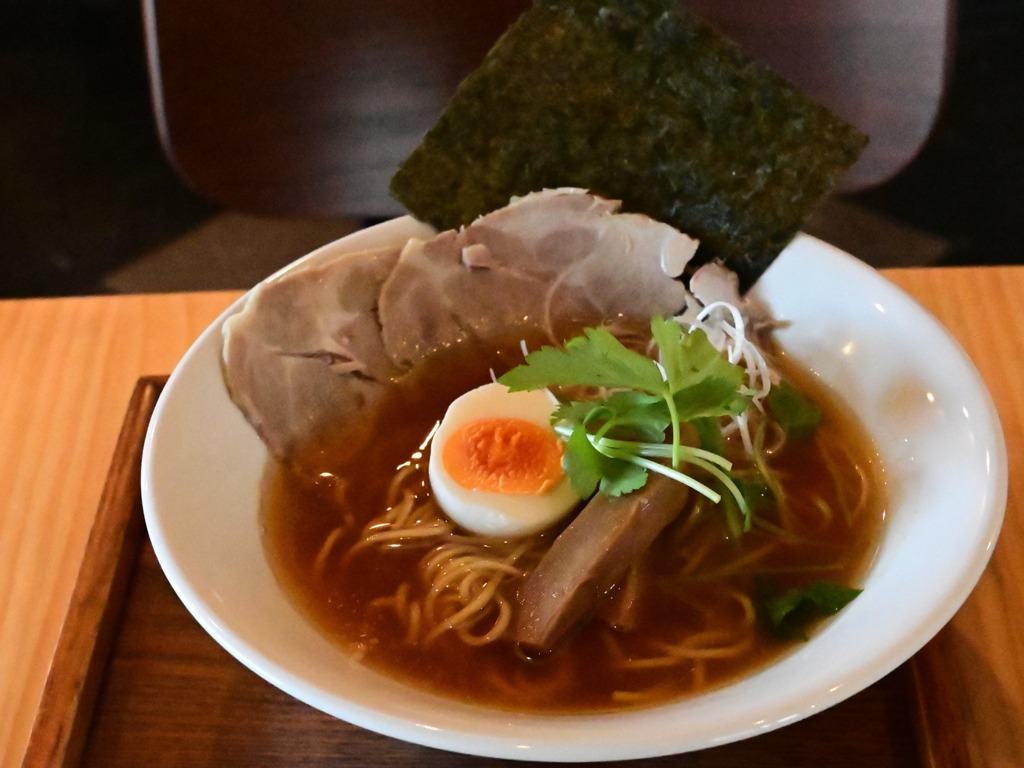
{"type": "Point", "coordinates": [635, 100]}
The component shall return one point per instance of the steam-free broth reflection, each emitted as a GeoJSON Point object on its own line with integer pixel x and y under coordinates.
{"type": "Point", "coordinates": [681, 621]}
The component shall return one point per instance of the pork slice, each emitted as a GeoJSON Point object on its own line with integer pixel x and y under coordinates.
{"type": "Point", "coordinates": [305, 354]}
{"type": "Point", "coordinates": [314, 348]}
{"type": "Point", "coordinates": [589, 557]}
{"type": "Point", "coordinates": [552, 259]}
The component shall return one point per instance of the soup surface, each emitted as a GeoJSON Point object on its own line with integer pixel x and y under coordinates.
{"type": "Point", "coordinates": [683, 620]}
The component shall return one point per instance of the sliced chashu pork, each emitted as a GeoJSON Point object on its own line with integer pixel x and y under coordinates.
{"type": "Point", "coordinates": [306, 348]}
{"type": "Point", "coordinates": [550, 259]}
{"type": "Point", "coordinates": [312, 349]}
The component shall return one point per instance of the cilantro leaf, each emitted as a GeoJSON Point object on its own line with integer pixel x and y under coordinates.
{"type": "Point", "coordinates": [740, 517]}
{"type": "Point", "coordinates": [709, 435]}
{"type": "Point", "coordinates": [590, 470]}
{"type": "Point", "coordinates": [755, 492]}
{"type": "Point", "coordinates": [790, 613]}
{"type": "Point", "coordinates": [795, 413]}
{"type": "Point", "coordinates": [703, 382]}
{"type": "Point", "coordinates": [595, 359]}
{"type": "Point", "coordinates": [668, 335]}
{"type": "Point", "coordinates": [623, 415]}
{"type": "Point", "coordinates": [622, 478]}
{"type": "Point", "coordinates": [638, 416]}
{"type": "Point", "coordinates": [612, 442]}
{"type": "Point", "coordinates": [690, 358]}
{"type": "Point", "coordinates": [575, 411]}
{"type": "Point", "coordinates": [712, 397]}
{"type": "Point", "coordinates": [584, 464]}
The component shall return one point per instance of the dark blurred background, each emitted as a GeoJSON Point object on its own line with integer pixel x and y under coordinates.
{"type": "Point", "coordinates": [88, 203]}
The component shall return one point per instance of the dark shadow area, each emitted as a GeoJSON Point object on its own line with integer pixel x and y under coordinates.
{"type": "Point", "coordinates": [967, 185]}
{"type": "Point", "coordinates": [85, 188]}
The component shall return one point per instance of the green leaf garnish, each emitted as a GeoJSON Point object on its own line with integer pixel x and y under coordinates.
{"type": "Point", "coordinates": [794, 412]}
{"type": "Point", "coordinates": [790, 613]}
{"type": "Point", "coordinates": [614, 441]}
{"type": "Point", "coordinates": [624, 415]}
{"type": "Point", "coordinates": [596, 359]}
{"type": "Point", "coordinates": [589, 470]}
{"type": "Point", "coordinates": [709, 435]}
{"type": "Point", "coordinates": [691, 359]}
{"type": "Point", "coordinates": [714, 396]}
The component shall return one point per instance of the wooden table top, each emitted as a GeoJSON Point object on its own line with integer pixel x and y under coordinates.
{"type": "Point", "coordinates": [69, 365]}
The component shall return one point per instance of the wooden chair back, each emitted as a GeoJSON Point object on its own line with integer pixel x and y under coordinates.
{"type": "Point", "coordinates": [305, 107]}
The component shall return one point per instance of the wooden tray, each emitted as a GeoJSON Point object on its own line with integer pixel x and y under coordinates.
{"type": "Point", "coordinates": [136, 682]}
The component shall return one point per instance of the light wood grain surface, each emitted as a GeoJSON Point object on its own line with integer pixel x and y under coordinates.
{"type": "Point", "coordinates": [67, 368]}
{"type": "Point", "coordinates": [985, 641]}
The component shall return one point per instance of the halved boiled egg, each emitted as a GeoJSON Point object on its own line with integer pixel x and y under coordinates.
{"type": "Point", "coordinates": [496, 464]}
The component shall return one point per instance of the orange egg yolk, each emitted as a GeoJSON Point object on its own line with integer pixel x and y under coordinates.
{"type": "Point", "coordinates": [504, 455]}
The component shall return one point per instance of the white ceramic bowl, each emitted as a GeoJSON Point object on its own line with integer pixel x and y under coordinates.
{"type": "Point", "coordinates": [918, 394]}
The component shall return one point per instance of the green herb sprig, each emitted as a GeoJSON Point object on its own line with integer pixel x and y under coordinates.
{"type": "Point", "coordinates": [789, 613]}
{"type": "Point", "coordinates": [614, 441]}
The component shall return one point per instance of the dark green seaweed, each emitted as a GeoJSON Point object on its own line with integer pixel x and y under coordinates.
{"type": "Point", "coordinates": [640, 101]}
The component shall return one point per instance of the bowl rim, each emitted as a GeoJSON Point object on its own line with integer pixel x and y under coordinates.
{"type": "Point", "coordinates": [660, 730]}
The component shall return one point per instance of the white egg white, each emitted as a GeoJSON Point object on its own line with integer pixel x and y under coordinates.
{"type": "Point", "coordinates": [490, 513]}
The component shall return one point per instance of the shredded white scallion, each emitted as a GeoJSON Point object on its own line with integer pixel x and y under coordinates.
{"type": "Point", "coordinates": [642, 454]}
{"type": "Point", "coordinates": [725, 324]}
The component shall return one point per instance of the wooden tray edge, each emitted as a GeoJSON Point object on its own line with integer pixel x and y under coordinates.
{"type": "Point", "coordinates": [60, 729]}
{"type": "Point", "coordinates": [76, 672]}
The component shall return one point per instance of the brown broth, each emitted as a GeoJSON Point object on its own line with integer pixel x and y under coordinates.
{"type": "Point", "coordinates": [685, 593]}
